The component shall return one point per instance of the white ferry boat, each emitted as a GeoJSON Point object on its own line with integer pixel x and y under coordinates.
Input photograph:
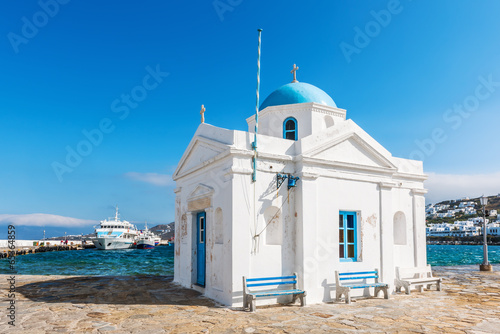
{"type": "Point", "coordinates": [115, 234]}
{"type": "Point", "coordinates": [147, 239]}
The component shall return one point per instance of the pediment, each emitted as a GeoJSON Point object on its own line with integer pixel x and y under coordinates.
{"type": "Point", "coordinates": [350, 149]}
{"type": "Point", "coordinates": [201, 191]}
{"type": "Point", "coordinates": [200, 152]}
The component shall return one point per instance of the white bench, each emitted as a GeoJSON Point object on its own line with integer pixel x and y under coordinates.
{"type": "Point", "coordinates": [418, 277]}
{"type": "Point", "coordinates": [359, 279]}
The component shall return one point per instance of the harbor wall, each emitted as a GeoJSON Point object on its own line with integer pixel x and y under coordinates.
{"type": "Point", "coordinates": [31, 243]}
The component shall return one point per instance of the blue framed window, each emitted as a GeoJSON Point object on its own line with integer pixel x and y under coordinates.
{"type": "Point", "coordinates": [347, 236]}
{"type": "Point", "coordinates": [290, 128]}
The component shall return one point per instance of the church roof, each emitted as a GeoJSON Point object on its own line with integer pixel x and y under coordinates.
{"type": "Point", "coordinates": [297, 92]}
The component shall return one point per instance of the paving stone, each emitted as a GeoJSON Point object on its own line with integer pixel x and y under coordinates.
{"type": "Point", "coordinates": [469, 303]}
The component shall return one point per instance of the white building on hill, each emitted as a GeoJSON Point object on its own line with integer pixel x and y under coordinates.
{"type": "Point", "coordinates": [346, 203]}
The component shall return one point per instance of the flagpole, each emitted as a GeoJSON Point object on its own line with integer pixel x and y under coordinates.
{"type": "Point", "coordinates": [254, 144]}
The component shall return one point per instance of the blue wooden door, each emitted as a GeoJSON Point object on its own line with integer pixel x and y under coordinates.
{"type": "Point", "coordinates": [201, 226]}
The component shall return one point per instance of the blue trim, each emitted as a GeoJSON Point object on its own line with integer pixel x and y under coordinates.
{"type": "Point", "coordinates": [200, 247]}
{"type": "Point", "coordinates": [356, 277]}
{"type": "Point", "coordinates": [269, 278]}
{"type": "Point", "coordinates": [278, 293]}
{"type": "Point", "coordinates": [271, 283]}
{"type": "Point", "coordinates": [294, 131]}
{"type": "Point", "coordinates": [344, 229]}
{"type": "Point", "coordinates": [358, 273]}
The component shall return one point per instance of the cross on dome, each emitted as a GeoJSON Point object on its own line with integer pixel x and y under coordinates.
{"type": "Point", "coordinates": [294, 71]}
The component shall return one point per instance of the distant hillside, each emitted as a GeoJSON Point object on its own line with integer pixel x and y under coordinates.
{"type": "Point", "coordinates": [493, 202]}
{"type": "Point", "coordinates": [165, 231]}
{"type": "Point", "coordinates": [454, 204]}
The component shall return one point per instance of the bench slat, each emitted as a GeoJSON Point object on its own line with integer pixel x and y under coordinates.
{"type": "Point", "coordinates": [422, 280]}
{"type": "Point", "coordinates": [276, 293]}
{"type": "Point", "coordinates": [357, 277]}
{"type": "Point", "coordinates": [271, 283]}
{"type": "Point", "coordinates": [269, 278]}
{"type": "Point", "coordinates": [361, 286]}
{"type": "Point", "coordinates": [358, 273]}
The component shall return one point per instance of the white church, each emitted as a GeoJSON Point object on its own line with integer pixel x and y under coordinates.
{"type": "Point", "coordinates": [326, 197]}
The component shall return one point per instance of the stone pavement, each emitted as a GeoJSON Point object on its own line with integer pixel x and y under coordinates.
{"type": "Point", "coordinates": [469, 303]}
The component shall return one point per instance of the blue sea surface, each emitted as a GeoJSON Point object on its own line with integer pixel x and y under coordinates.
{"type": "Point", "coordinates": [120, 262]}
{"type": "Point", "coordinates": [456, 255]}
{"type": "Point", "coordinates": [160, 260]}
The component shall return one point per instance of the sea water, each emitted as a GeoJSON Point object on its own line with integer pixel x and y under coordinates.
{"type": "Point", "coordinates": [456, 255]}
{"type": "Point", "coordinates": [160, 260]}
{"type": "Point", "coordinates": [157, 261]}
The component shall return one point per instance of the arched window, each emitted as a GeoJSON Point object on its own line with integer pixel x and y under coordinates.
{"type": "Point", "coordinates": [290, 128]}
{"type": "Point", "coordinates": [399, 228]}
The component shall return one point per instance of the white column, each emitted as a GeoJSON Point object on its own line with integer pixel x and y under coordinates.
{"type": "Point", "coordinates": [190, 249]}
{"type": "Point", "coordinates": [419, 237]}
{"type": "Point", "coordinates": [177, 241]}
{"type": "Point", "coordinates": [386, 233]}
{"type": "Point", "coordinates": [240, 238]}
{"type": "Point", "coordinates": [209, 244]}
{"type": "Point", "coordinates": [306, 234]}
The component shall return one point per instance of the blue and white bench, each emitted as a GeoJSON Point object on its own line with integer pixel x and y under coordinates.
{"type": "Point", "coordinates": [357, 280]}
{"type": "Point", "coordinates": [283, 285]}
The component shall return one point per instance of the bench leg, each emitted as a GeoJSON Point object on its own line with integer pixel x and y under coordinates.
{"type": "Point", "coordinates": [338, 296]}
{"type": "Point", "coordinates": [348, 297]}
{"type": "Point", "coordinates": [420, 288]}
{"type": "Point", "coordinates": [407, 288]}
{"type": "Point", "coordinates": [252, 304]}
{"type": "Point", "coordinates": [439, 286]}
{"type": "Point", "coordinates": [386, 293]}
{"type": "Point", "coordinates": [397, 285]}
{"type": "Point", "coordinates": [384, 290]}
{"type": "Point", "coordinates": [302, 300]}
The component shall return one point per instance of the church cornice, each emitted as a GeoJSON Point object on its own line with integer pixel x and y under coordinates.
{"type": "Point", "coordinates": [420, 192]}
{"type": "Point", "coordinates": [308, 161]}
{"type": "Point", "coordinates": [410, 176]}
{"type": "Point", "coordinates": [301, 107]}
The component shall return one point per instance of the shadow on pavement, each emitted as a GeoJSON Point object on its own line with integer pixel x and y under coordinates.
{"type": "Point", "coordinates": [146, 289]}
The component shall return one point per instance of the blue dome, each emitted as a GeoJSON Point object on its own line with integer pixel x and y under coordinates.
{"type": "Point", "coordinates": [297, 92]}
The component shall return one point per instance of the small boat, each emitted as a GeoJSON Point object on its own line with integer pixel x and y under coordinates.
{"type": "Point", "coordinates": [147, 239]}
{"type": "Point", "coordinates": [115, 234]}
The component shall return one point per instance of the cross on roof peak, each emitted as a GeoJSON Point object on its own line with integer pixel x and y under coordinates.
{"type": "Point", "coordinates": [294, 71]}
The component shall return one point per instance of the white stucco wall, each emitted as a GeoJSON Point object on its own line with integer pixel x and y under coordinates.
{"type": "Point", "coordinates": [341, 168]}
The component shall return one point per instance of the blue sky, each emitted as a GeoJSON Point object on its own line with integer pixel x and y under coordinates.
{"type": "Point", "coordinates": [421, 77]}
